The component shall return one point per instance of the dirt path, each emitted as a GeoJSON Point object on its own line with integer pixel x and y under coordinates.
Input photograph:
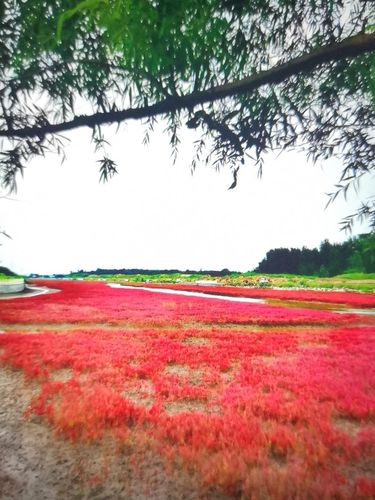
{"type": "Point", "coordinates": [34, 464]}
{"type": "Point", "coordinates": [29, 291]}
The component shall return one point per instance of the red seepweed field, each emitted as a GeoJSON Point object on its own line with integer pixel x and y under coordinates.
{"type": "Point", "coordinates": [259, 400]}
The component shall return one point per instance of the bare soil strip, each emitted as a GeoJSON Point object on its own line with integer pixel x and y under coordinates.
{"type": "Point", "coordinates": [71, 327]}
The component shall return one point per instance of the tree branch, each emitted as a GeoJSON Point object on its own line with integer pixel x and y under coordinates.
{"type": "Point", "coordinates": [348, 48]}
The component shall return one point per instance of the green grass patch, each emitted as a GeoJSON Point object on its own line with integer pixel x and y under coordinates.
{"type": "Point", "coordinates": [5, 277]}
{"type": "Point", "coordinates": [361, 282]}
{"type": "Point", "coordinates": [356, 276]}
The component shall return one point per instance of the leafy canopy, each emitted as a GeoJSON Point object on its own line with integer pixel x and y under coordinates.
{"type": "Point", "coordinates": [193, 63]}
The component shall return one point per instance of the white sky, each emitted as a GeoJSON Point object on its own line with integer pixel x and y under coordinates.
{"type": "Point", "coordinates": [157, 215]}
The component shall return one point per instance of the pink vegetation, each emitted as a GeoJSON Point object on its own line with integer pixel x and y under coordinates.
{"type": "Point", "coordinates": [262, 412]}
{"type": "Point", "coordinates": [93, 302]}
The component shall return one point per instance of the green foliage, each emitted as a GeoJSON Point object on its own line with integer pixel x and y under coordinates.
{"type": "Point", "coordinates": [114, 54]}
{"type": "Point", "coordinates": [364, 282]}
{"type": "Point", "coordinates": [4, 271]}
{"type": "Point", "coordinates": [85, 5]}
{"type": "Point", "coordinates": [6, 277]}
{"type": "Point", "coordinates": [357, 255]}
{"type": "Point", "coordinates": [357, 276]}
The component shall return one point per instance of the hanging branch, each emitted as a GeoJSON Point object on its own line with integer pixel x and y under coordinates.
{"type": "Point", "coordinates": [349, 48]}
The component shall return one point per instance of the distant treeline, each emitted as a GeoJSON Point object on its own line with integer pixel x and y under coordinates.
{"type": "Point", "coordinates": [149, 272]}
{"type": "Point", "coordinates": [6, 271]}
{"type": "Point", "coordinates": [357, 255]}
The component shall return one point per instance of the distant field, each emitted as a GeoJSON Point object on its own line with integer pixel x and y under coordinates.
{"type": "Point", "coordinates": [356, 281]}
{"type": "Point", "coordinates": [246, 399]}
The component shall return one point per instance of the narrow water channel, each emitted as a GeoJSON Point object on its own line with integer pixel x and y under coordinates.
{"type": "Point", "coordinates": [190, 294]}
{"type": "Point", "coordinates": [339, 308]}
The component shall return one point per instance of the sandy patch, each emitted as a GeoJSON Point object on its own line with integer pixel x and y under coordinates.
{"type": "Point", "coordinates": [348, 425]}
{"type": "Point", "coordinates": [194, 375]}
{"type": "Point", "coordinates": [34, 464]}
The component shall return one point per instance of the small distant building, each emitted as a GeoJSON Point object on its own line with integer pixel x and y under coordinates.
{"type": "Point", "coordinates": [263, 281]}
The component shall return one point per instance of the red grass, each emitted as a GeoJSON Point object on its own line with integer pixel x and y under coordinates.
{"type": "Point", "coordinates": [355, 299]}
{"type": "Point", "coordinates": [95, 302]}
{"type": "Point", "coordinates": [276, 413]}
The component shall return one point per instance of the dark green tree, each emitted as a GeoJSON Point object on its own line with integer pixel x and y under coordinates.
{"type": "Point", "coordinates": [356, 255]}
{"type": "Point", "coordinates": [363, 258]}
{"type": "Point", "coordinates": [250, 76]}
{"type": "Point", "coordinates": [309, 261]}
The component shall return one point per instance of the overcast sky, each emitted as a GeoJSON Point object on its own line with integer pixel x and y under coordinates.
{"type": "Point", "coordinates": [157, 215]}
